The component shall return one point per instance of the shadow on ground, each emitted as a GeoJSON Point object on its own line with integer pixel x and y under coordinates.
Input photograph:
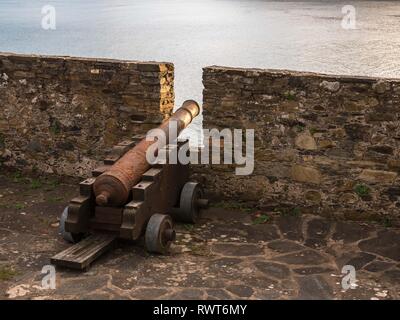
{"type": "Point", "coordinates": [228, 255]}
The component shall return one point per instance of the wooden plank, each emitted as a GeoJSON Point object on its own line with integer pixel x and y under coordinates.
{"type": "Point", "coordinates": [101, 226]}
{"type": "Point", "coordinates": [153, 174]}
{"type": "Point", "coordinates": [142, 190]}
{"type": "Point", "coordinates": [79, 211]}
{"type": "Point", "coordinates": [99, 170]}
{"type": "Point", "coordinates": [108, 215]}
{"type": "Point", "coordinates": [85, 187]}
{"type": "Point", "coordinates": [111, 159]}
{"type": "Point", "coordinates": [81, 255]}
{"type": "Point", "coordinates": [127, 143]}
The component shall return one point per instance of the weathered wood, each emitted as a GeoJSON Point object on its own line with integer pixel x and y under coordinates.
{"type": "Point", "coordinates": [82, 254]}
{"type": "Point", "coordinates": [131, 212]}
{"type": "Point", "coordinates": [153, 174]}
{"type": "Point", "coordinates": [99, 170]}
{"type": "Point", "coordinates": [86, 187]}
{"type": "Point", "coordinates": [80, 210]}
{"type": "Point", "coordinates": [127, 143]}
{"type": "Point", "coordinates": [108, 215]}
{"type": "Point", "coordinates": [104, 227]}
{"type": "Point", "coordinates": [111, 159]}
{"type": "Point", "coordinates": [137, 138]}
{"type": "Point", "coordinates": [143, 190]}
{"type": "Point", "coordinates": [157, 192]}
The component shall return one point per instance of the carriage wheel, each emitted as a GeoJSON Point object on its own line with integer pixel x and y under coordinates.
{"type": "Point", "coordinates": [68, 236]}
{"type": "Point", "coordinates": [191, 202]}
{"type": "Point", "coordinates": [159, 233]}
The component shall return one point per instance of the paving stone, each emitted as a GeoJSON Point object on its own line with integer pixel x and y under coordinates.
{"type": "Point", "coordinates": [358, 293]}
{"type": "Point", "coordinates": [378, 266]}
{"type": "Point", "coordinates": [237, 261]}
{"type": "Point", "coordinates": [227, 228]}
{"type": "Point", "coordinates": [187, 294]}
{"type": "Point", "coordinates": [79, 285]}
{"type": "Point", "coordinates": [201, 280]}
{"type": "Point", "coordinates": [314, 287]}
{"type": "Point", "coordinates": [284, 246]}
{"type": "Point", "coordinates": [393, 276]}
{"type": "Point", "coordinates": [356, 259]}
{"type": "Point", "coordinates": [156, 272]}
{"type": "Point", "coordinates": [97, 296]}
{"type": "Point", "coordinates": [225, 266]}
{"type": "Point", "coordinates": [225, 262]}
{"type": "Point", "coordinates": [350, 232]}
{"type": "Point", "coordinates": [312, 270]}
{"type": "Point", "coordinates": [315, 243]}
{"type": "Point", "coordinates": [68, 274]}
{"type": "Point", "coordinates": [148, 293]}
{"type": "Point", "coordinates": [273, 269]}
{"type": "Point", "coordinates": [221, 214]}
{"type": "Point", "coordinates": [267, 294]}
{"type": "Point", "coordinates": [258, 282]}
{"type": "Point", "coordinates": [318, 228]}
{"type": "Point", "coordinates": [126, 261]}
{"type": "Point", "coordinates": [218, 294]}
{"type": "Point", "coordinates": [123, 281]}
{"type": "Point", "coordinates": [291, 227]}
{"type": "Point", "coordinates": [116, 296]}
{"type": "Point", "coordinates": [235, 229]}
{"type": "Point", "coordinates": [306, 257]}
{"type": "Point", "coordinates": [386, 244]}
{"type": "Point", "coordinates": [261, 232]}
{"type": "Point", "coordinates": [237, 249]}
{"type": "Point", "coordinates": [240, 290]}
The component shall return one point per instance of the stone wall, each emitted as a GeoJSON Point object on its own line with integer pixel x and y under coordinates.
{"type": "Point", "coordinates": [324, 144]}
{"type": "Point", "coordinates": [61, 115]}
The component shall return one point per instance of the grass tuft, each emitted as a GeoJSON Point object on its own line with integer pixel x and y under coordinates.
{"type": "Point", "coordinates": [7, 273]}
{"type": "Point", "coordinates": [261, 218]}
{"type": "Point", "coordinates": [36, 184]}
{"type": "Point", "coordinates": [362, 190]}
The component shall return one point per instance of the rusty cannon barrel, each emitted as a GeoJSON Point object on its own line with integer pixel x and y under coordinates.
{"type": "Point", "coordinates": [112, 188]}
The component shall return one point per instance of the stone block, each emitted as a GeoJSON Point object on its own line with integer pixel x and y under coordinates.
{"type": "Point", "coordinates": [377, 176]}
{"type": "Point", "coordinates": [305, 174]}
{"type": "Point", "coordinates": [305, 141]}
{"type": "Point", "coordinates": [75, 108]}
{"type": "Point", "coordinates": [332, 86]}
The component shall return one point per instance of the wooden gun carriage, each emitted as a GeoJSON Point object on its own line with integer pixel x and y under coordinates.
{"type": "Point", "coordinates": [160, 193]}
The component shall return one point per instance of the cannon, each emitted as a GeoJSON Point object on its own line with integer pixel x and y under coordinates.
{"type": "Point", "coordinates": [128, 197]}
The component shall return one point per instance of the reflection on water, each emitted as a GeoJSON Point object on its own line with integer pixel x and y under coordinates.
{"type": "Point", "coordinates": [196, 33]}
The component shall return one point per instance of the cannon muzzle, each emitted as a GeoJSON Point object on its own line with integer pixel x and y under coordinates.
{"type": "Point", "coordinates": [112, 188]}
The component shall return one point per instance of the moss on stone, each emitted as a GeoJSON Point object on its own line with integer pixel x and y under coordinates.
{"type": "Point", "coordinates": [7, 273]}
{"type": "Point", "coordinates": [362, 190]}
{"type": "Point", "coordinates": [387, 222]}
{"type": "Point", "coordinates": [289, 96]}
{"type": "Point", "coordinates": [261, 219]}
{"type": "Point", "coordinates": [293, 211]}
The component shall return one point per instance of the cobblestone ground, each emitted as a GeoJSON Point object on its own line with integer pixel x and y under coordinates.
{"type": "Point", "coordinates": [228, 255]}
